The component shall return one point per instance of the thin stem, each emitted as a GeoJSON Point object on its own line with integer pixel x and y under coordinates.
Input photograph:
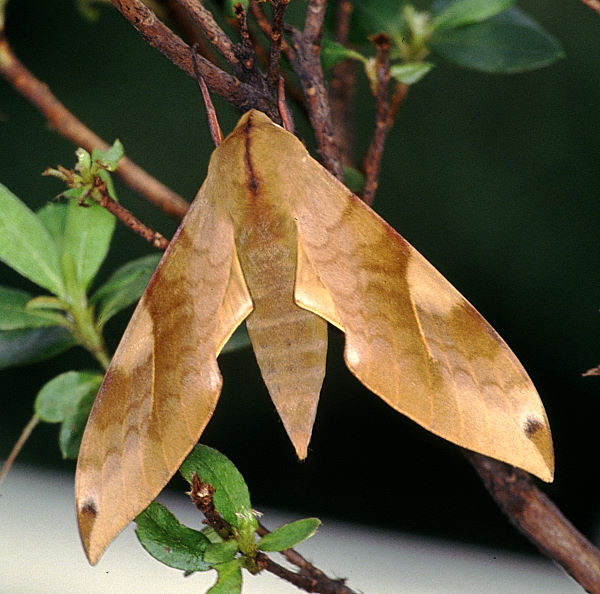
{"type": "Point", "coordinates": [279, 7]}
{"type": "Point", "coordinates": [265, 26]}
{"type": "Point", "coordinates": [341, 87]}
{"type": "Point", "coordinates": [304, 582]}
{"type": "Point", "coordinates": [66, 124]}
{"type": "Point", "coordinates": [398, 96]}
{"type": "Point", "coordinates": [130, 220]}
{"type": "Point", "coordinates": [242, 95]}
{"type": "Point", "coordinates": [189, 29]}
{"type": "Point", "coordinates": [85, 330]}
{"type": "Point", "coordinates": [315, 17]}
{"type": "Point", "coordinates": [306, 567]}
{"type": "Point", "coordinates": [25, 434]}
{"type": "Point", "coordinates": [306, 62]}
{"type": "Point", "coordinates": [211, 112]}
{"type": "Point", "coordinates": [309, 579]}
{"type": "Point", "coordinates": [204, 19]}
{"type": "Point", "coordinates": [375, 152]}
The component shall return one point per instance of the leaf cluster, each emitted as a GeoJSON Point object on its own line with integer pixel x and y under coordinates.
{"type": "Point", "coordinates": [233, 545]}
{"type": "Point", "coordinates": [60, 248]}
{"type": "Point", "coordinates": [491, 36]}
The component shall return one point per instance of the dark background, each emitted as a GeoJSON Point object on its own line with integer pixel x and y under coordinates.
{"type": "Point", "coordinates": [495, 179]}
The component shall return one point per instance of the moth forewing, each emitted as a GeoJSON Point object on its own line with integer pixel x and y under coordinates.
{"type": "Point", "coordinates": [273, 237]}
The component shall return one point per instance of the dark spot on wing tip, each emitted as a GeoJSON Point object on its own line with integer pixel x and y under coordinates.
{"type": "Point", "coordinates": [532, 426]}
{"type": "Point", "coordinates": [89, 509]}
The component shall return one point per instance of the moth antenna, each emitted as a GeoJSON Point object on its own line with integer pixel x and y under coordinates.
{"type": "Point", "coordinates": [286, 116]}
{"type": "Point", "coordinates": [211, 113]}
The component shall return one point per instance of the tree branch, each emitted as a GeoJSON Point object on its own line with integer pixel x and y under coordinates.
{"type": "Point", "coordinates": [210, 29]}
{"type": "Point", "coordinates": [309, 579]}
{"type": "Point", "coordinates": [130, 220]}
{"type": "Point", "coordinates": [306, 62]}
{"type": "Point", "coordinates": [240, 94]}
{"type": "Point", "coordinates": [279, 7]}
{"type": "Point", "coordinates": [341, 87]}
{"type": "Point", "coordinates": [382, 123]}
{"type": "Point", "coordinates": [66, 124]}
{"type": "Point", "coordinates": [538, 518]}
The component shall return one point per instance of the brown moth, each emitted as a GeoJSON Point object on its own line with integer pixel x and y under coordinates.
{"type": "Point", "coordinates": [274, 238]}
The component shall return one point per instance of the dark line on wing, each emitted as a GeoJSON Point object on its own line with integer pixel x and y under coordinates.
{"type": "Point", "coordinates": [250, 176]}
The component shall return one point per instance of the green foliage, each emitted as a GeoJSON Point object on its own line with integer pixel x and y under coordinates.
{"type": "Point", "coordinates": [30, 345]}
{"type": "Point", "coordinates": [485, 35]}
{"type": "Point", "coordinates": [67, 399]}
{"type": "Point", "coordinates": [289, 535]}
{"type": "Point", "coordinates": [354, 179]}
{"type": "Point", "coordinates": [27, 246]}
{"type": "Point", "coordinates": [333, 52]}
{"type": "Point", "coordinates": [229, 579]}
{"type": "Point", "coordinates": [410, 72]}
{"type": "Point", "coordinates": [451, 15]}
{"type": "Point", "coordinates": [231, 497]}
{"type": "Point", "coordinates": [89, 10]}
{"type": "Point", "coordinates": [123, 288]}
{"type": "Point", "coordinates": [170, 542]}
{"type": "Point", "coordinates": [507, 43]}
{"type": "Point", "coordinates": [221, 552]}
{"type": "Point", "coordinates": [62, 247]}
{"type": "Point", "coordinates": [15, 315]}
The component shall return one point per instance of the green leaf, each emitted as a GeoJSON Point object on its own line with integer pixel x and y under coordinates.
{"type": "Point", "coordinates": [221, 552]}
{"type": "Point", "coordinates": [26, 245]}
{"type": "Point", "coordinates": [172, 543]}
{"type": "Point", "coordinates": [239, 340]}
{"type": "Point", "coordinates": [411, 72]}
{"type": "Point", "coordinates": [30, 345]}
{"type": "Point", "coordinates": [212, 535]}
{"type": "Point", "coordinates": [84, 160]}
{"type": "Point", "coordinates": [72, 428]}
{"type": "Point", "coordinates": [107, 179]}
{"type": "Point", "coordinates": [123, 288]}
{"type": "Point", "coordinates": [467, 12]}
{"type": "Point", "coordinates": [109, 159]}
{"type": "Point", "coordinates": [88, 233]}
{"type": "Point", "coordinates": [230, 578]}
{"type": "Point", "coordinates": [88, 9]}
{"type": "Point", "coordinates": [354, 179]}
{"type": "Point", "coordinates": [54, 217]}
{"type": "Point", "coordinates": [510, 42]}
{"type": "Point", "coordinates": [333, 52]}
{"type": "Point", "coordinates": [14, 315]}
{"type": "Point", "coordinates": [59, 398]}
{"type": "Point", "coordinates": [289, 535]}
{"type": "Point", "coordinates": [231, 497]}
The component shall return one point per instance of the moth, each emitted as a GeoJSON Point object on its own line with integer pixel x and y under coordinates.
{"type": "Point", "coordinates": [272, 238]}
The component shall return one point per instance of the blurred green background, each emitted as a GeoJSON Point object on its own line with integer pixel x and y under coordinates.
{"type": "Point", "coordinates": [495, 179]}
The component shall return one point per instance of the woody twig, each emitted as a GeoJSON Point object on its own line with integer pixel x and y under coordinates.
{"type": "Point", "coordinates": [375, 152]}
{"type": "Point", "coordinates": [537, 517]}
{"type": "Point", "coordinates": [66, 124]}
